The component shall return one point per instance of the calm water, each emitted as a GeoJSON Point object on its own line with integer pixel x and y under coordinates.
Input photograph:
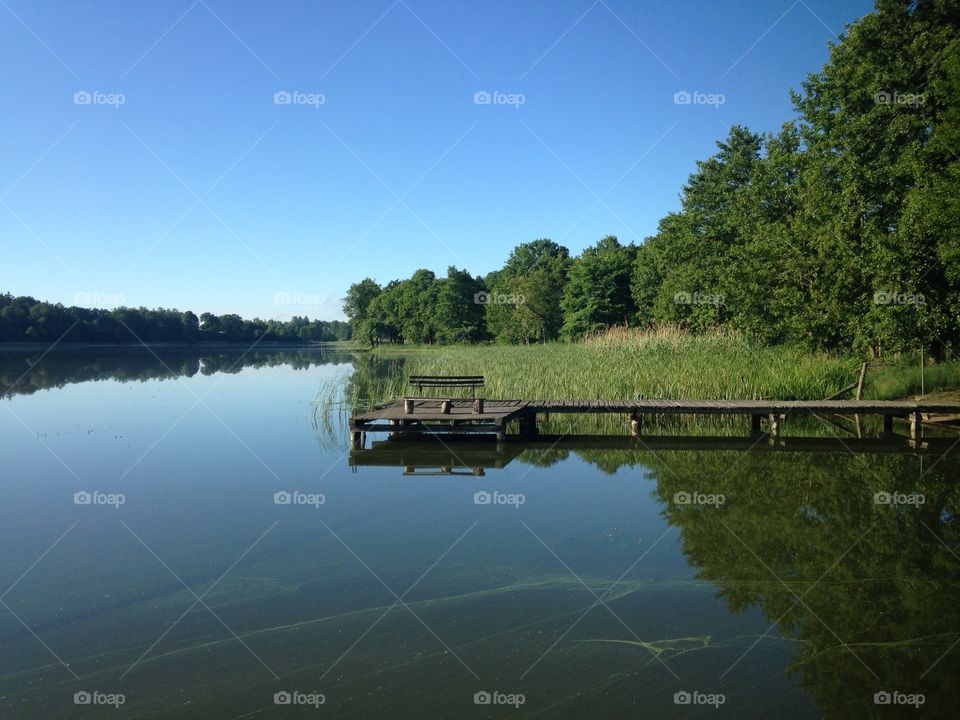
{"type": "Point", "coordinates": [586, 588]}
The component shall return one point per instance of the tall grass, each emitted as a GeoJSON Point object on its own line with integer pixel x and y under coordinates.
{"type": "Point", "coordinates": [623, 363]}
{"type": "Point", "coordinates": [901, 380]}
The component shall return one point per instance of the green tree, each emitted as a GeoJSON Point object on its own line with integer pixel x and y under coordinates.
{"type": "Point", "coordinates": [597, 293]}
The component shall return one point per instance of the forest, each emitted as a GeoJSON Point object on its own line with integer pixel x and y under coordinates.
{"type": "Point", "coordinates": [838, 232]}
{"type": "Point", "coordinates": [25, 319]}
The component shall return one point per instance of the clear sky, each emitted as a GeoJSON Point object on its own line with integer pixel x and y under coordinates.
{"type": "Point", "coordinates": [178, 177]}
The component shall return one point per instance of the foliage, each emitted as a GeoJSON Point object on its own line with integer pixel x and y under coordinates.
{"type": "Point", "coordinates": [837, 232]}
{"type": "Point", "coordinates": [25, 319]}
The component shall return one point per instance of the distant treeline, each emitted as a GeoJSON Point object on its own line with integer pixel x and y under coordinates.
{"type": "Point", "coordinates": [25, 319]}
{"type": "Point", "coordinates": [840, 231]}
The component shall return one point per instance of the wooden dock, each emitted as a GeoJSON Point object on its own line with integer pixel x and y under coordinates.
{"type": "Point", "coordinates": [435, 416]}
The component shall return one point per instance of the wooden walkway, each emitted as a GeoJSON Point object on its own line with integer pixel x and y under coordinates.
{"type": "Point", "coordinates": [432, 416]}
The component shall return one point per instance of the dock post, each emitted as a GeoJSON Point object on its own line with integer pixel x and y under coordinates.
{"type": "Point", "coordinates": [528, 425]}
{"type": "Point", "coordinates": [445, 406]}
{"type": "Point", "coordinates": [636, 424]}
{"type": "Point", "coordinates": [408, 406]}
{"type": "Point", "coordinates": [774, 422]}
{"type": "Point", "coordinates": [888, 424]}
{"type": "Point", "coordinates": [478, 406]}
{"type": "Point", "coordinates": [356, 439]}
{"type": "Point", "coordinates": [755, 423]}
{"type": "Point", "coordinates": [916, 421]}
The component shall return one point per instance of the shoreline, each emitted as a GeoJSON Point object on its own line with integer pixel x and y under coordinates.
{"type": "Point", "coordinates": [169, 345]}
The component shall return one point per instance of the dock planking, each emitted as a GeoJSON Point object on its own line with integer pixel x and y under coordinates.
{"type": "Point", "coordinates": [435, 416]}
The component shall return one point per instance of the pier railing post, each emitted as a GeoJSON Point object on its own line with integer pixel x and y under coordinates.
{"type": "Point", "coordinates": [916, 425]}
{"type": "Point", "coordinates": [888, 424]}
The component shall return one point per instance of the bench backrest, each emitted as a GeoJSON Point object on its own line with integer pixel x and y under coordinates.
{"type": "Point", "coordinates": [446, 381]}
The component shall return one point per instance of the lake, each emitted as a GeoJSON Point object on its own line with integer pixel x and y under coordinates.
{"type": "Point", "coordinates": [182, 537]}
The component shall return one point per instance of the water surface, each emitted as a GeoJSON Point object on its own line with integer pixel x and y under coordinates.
{"type": "Point", "coordinates": [603, 579]}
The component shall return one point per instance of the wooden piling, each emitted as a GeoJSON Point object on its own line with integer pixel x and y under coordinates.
{"type": "Point", "coordinates": [916, 426]}
{"type": "Point", "coordinates": [773, 421]}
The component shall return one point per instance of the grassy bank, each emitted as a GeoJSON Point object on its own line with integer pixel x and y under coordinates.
{"type": "Point", "coordinates": [622, 363]}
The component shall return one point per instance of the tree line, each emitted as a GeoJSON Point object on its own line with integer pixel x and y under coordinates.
{"type": "Point", "coordinates": [837, 232]}
{"type": "Point", "coordinates": [25, 319]}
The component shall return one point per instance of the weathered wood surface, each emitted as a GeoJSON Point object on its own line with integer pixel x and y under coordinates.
{"type": "Point", "coordinates": [430, 409]}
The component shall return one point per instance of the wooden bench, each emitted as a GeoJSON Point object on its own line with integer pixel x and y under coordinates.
{"type": "Point", "coordinates": [445, 381]}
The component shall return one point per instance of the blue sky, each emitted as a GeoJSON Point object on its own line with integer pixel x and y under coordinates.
{"type": "Point", "coordinates": [187, 182]}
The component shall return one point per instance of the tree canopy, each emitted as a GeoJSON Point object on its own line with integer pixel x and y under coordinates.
{"type": "Point", "coordinates": [839, 231]}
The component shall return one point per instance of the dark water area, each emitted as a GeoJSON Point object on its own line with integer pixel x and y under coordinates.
{"type": "Point", "coordinates": [182, 539]}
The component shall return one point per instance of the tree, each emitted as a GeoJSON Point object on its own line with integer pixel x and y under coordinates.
{"type": "Point", "coordinates": [356, 305]}
{"type": "Point", "coordinates": [523, 305]}
{"type": "Point", "coordinates": [597, 293]}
